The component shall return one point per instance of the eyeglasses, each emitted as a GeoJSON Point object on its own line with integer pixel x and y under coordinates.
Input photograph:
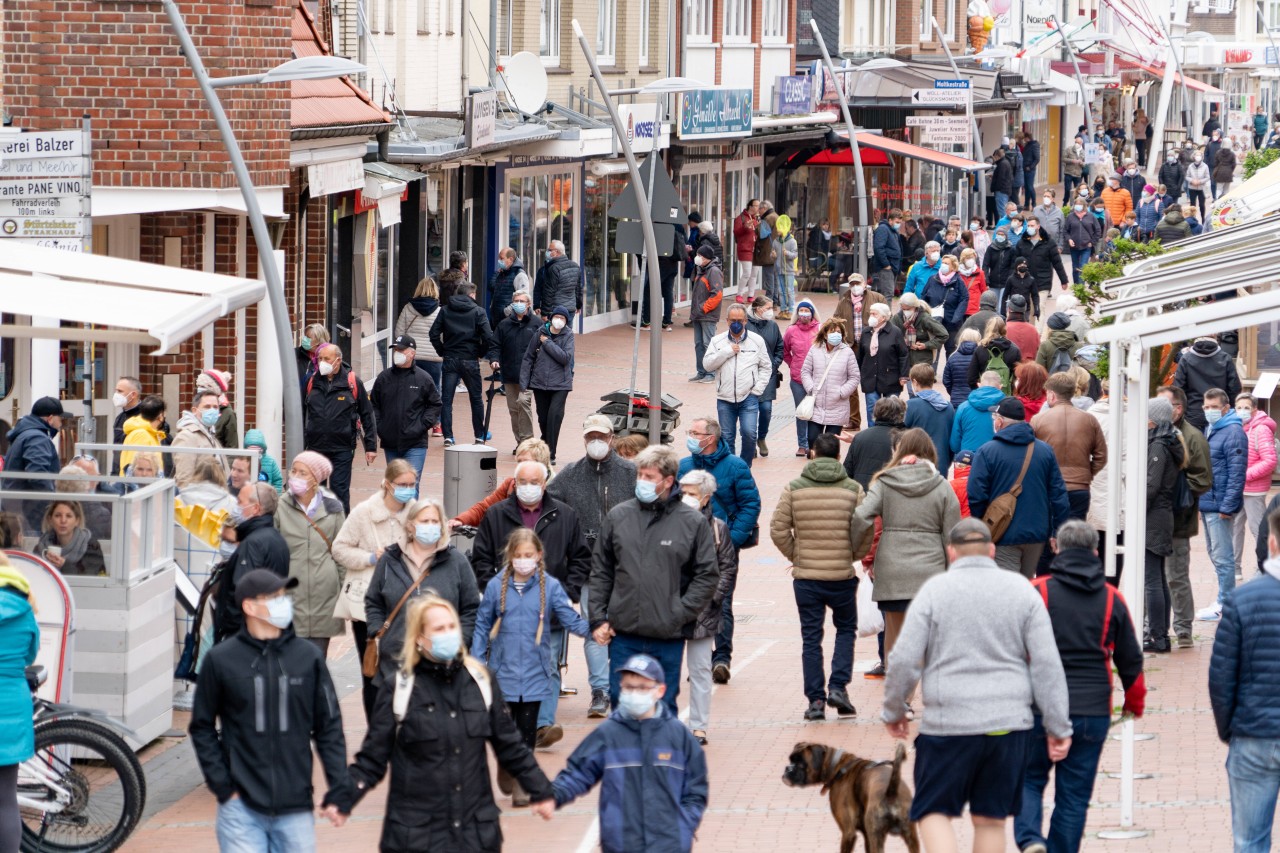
{"type": "Point", "coordinates": [693, 434]}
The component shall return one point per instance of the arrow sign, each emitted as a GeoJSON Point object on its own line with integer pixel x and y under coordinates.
{"type": "Point", "coordinates": [948, 97]}
{"type": "Point", "coordinates": [664, 201]}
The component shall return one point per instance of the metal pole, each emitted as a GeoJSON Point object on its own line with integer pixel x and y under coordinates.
{"type": "Point", "coordinates": [1155, 147]}
{"type": "Point", "coordinates": [976, 148]}
{"type": "Point", "coordinates": [644, 266]}
{"type": "Point", "coordinates": [646, 226]}
{"type": "Point", "coordinates": [859, 176]}
{"type": "Point", "coordinates": [266, 260]}
{"type": "Point", "coordinates": [1075, 63]}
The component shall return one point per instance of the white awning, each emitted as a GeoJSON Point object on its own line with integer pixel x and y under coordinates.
{"type": "Point", "coordinates": [1066, 91]}
{"type": "Point", "coordinates": [140, 303]}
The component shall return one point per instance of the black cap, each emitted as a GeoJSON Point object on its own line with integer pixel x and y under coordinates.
{"type": "Point", "coordinates": [260, 582]}
{"type": "Point", "coordinates": [404, 342]}
{"type": "Point", "coordinates": [707, 252]}
{"type": "Point", "coordinates": [1059, 321]}
{"type": "Point", "coordinates": [1010, 408]}
{"type": "Point", "coordinates": [46, 406]}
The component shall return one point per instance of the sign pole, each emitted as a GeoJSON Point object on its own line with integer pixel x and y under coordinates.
{"type": "Point", "coordinates": [976, 143]}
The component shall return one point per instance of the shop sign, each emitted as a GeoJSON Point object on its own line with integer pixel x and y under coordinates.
{"type": "Point", "coordinates": [715, 113]}
{"type": "Point", "coordinates": [340, 177]}
{"type": "Point", "coordinates": [641, 124]}
{"type": "Point", "coordinates": [793, 95]}
{"type": "Point", "coordinates": [45, 186]}
{"type": "Point", "coordinates": [482, 119]}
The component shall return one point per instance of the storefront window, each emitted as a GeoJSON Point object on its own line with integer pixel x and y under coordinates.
{"type": "Point", "coordinates": [434, 193]}
{"type": "Point", "coordinates": [539, 210]}
{"type": "Point", "coordinates": [8, 360]}
{"type": "Point", "coordinates": [608, 280]}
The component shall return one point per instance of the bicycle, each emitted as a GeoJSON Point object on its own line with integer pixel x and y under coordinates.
{"type": "Point", "coordinates": [84, 789]}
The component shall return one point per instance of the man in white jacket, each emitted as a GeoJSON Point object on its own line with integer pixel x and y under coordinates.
{"type": "Point", "coordinates": [739, 358]}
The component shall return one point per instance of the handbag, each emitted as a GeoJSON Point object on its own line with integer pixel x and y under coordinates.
{"type": "Point", "coordinates": [1000, 511]}
{"type": "Point", "coordinates": [369, 665]}
{"type": "Point", "coordinates": [804, 409]}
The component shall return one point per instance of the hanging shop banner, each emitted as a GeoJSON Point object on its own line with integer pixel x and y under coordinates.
{"type": "Point", "coordinates": [793, 96]}
{"type": "Point", "coordinates": [715, 113]}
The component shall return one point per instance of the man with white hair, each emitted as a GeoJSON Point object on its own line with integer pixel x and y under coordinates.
{"type": "Point", "coordinates": [559, 283]}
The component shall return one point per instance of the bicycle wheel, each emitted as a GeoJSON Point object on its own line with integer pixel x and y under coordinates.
{"type": "Point", "coordinates": [102, 789]}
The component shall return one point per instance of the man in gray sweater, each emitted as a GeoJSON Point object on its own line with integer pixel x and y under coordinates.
{"type": "Point", "coordinates": [979, 641]}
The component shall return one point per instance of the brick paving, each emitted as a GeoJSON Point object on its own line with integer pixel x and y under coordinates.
{"type": "Point", "coordinates": [756, 717]}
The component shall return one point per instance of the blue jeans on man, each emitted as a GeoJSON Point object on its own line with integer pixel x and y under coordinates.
{"type": "Point", "coordinates": [703, 332]}
{"type": "Point", "coordinates": [1002, 201]}
{"type": "Point", "coordinates": [669, 653]}
{"type": "Point", "coordinates": [1253, 773]}
{"type": "Point", "coordinates": [1217, 541]}
{"type": "Point", "coordinates": [744, 417]}
{"type": "Point", "coordinates": [1073, 779]}
{"type": "Point", "coordinates": [1079, 257]}
{"type": "Point", "coordinates": [415, 456]}
{"type": "Point", "coordinates": [468, 371]}
{"type": "Point", "coordinates": [240, 829]}
{"type": "Point", "coordinates": [813, 599]}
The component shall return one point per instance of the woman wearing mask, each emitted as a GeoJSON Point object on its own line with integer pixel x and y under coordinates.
{"type": "Point", "coordinates": [547, 371]}
{"type": "Point", "coordinates": [994, 344]}
{"type": "Point", "coordinates": [1083, 232]}
{"type": "Point", "coordinates": [416, 319]}
{"type": "Point", "coordinates": [974, 280]}
{"type": "Point", "coordinates": [981, 239]}
{"type": "Point", "coordinates": [1019, 283]}
{"type": "Point", "coordinates": [425, 564]}
{"type": "Point", "coordinates": [830, 375]}
{"type": "Point", "coordinates": [309, 518]}
{"type": "Point", "coordinates": [796, 341]}
{"type": "Point", "coordinates": [1166, 455]}
{"type": "Point", "coordinates": [948, 288]}
{"type": "Point", "coordinates": [883, 357]}
{"type": "Point", "coordinates": [1224, 170]}
{"type": "Point", "coordinates": [312, 338]}
{"type": "Point", "coordinates": [66, 543]}
{"type": "Point", "coordinates": [374, 523]}
{"type": "Point", "coordinates": [760, 319]}
{"type": "Point", "coordinates": [19, 644]}
{"type": "Point", "coordinates": [1150, 209]}
{"type": "Point", "coordinates": [1260, 430]}
{"type": "Point", "coordinates": [997, 263]}
{"type": "Point", "coordinates": [431, 726]}
{"type": "Point", "coordinates": [1198, 179]}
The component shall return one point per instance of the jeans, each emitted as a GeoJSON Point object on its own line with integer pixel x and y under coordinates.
{"type": "Point", "coordinates": [764, 419]}
{"type": "Point", "coordinates": [1028, 188]}
{"type": "Point", "coordinates": [802, 427]}
{"type": "Point", "coordinates": [703, 332]}
{"type": "Point", "coordinates": [872, 397]}
{"type": "Point", "coordinates": [596, 654]}
{"type": "Point", "coordinates": [415, 456]}
{"type": "Point", "coordinates": [1072, 785]}
{"type": "Point", "coordinates": [1079, 257]}
{"type": "Point", "coordinates": [433, 369]}
{"type": "Point", "coordinates": [1248, 518]}
{"type": "Point", "coordinates": [743, 415]}
{"type": "Point", "coordinates": [1253, 772]}
{"type": "Point", "coordinates": [1196, 197]}
{"type": "Point", "coordinates": [787, 293]}
{"type": "Point", "coordinates": [723, 652]}
{"type": "Point", "coordinates": [812, 600]}
{"type": "Point", "coordinates": [1157, 593]}
{"type": "Point", "coordinates": [1217, 541]}
{"type": "Point", "coordinates": [468, 371]}
{"type": "Point", "coordinates": [884, 282]}
{"type": "Point", "coordinates": [668, 653]}
{"type": "Point", "coordinates": [1002, 201]}
{"type": "Point", "coordinates": [550, 405]}
{"type": "Point", "coordinates": [520, 408]}
{"type": "Point", "coordinates": [1020, 558]}
{"type": "Point", "coordinates": [242, 830]}
{"type": "Point", "coordinates": [547, 711]}
{"type": "Point", "coordinates": [1069, 183]}
{"type": "Point", "coordinates": [1177, 570]}
{"type": "Point", "coordinates": [817, 429]}
{"type": "Point", "coordinates": [697, 657]}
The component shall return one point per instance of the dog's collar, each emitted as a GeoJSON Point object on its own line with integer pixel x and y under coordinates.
{"type": "Point", "coordinates": [833, 760]}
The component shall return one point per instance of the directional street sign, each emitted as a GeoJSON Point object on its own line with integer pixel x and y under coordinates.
{"type": "Point", "coordinates": [951, 84]}
{"type": "Point", "coordinates": [934, 97]}
{"type": "Point", "coordinates": [938, 122]}
{"type": "Point", "coordinates": [945, 138]}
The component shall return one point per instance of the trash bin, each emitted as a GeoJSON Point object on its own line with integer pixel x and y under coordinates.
{"type": "Point", "coordinates": [470, 474]}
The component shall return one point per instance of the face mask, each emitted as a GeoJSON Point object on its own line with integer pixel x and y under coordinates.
{"type": "Point", "coordinates": [557, 323]}
{"type": "Point", "coordinates": [1198, 158]}
{"type": "Point", "coordinates": [1022, 270]}
{"type": "Point", "coordinates": [1018, 230]}
{"type": "Point", "coordinates": [504, 263]}
{"type": "Point", "coordinates": [700, 261]}
{"type": "Point", "coordinates": [298, 486]}
{"type": "Point", "coordinates": [118, 400]}
{"type": "Point", "coordinates": [1113, 184]}
{"type": "Point", "coordinates": [1000, 238]}
{"type": "Point", "coordinates": [834, 339]}
{"type": "Point", "coordinates": [1172, 158]}
{"type": "Point", "coordinates": [524, 566]}
{"type": "Point", "coordinates": [426, 534]}
{"type": "Point", "coordinates": [909, 313]}
{"type": "Point", "coordinates": [1031, 229]}
{"type": "Point", "coordinates": [874, 320]}
{"type": "Point", "coordinates": [597, 449]}
{"type": "Point", "coordinates": [931, 257]}
{"type": "Point", "coordinates": [405, 494]}
{"type": "Point", "coordinates": [691, 502]}
{"type": "Point", "coordinates": [1098, 212]}
{"type": "Point", "coordinates": [548, 254]}
{"type": "Point", "coordinates": [306, 343]}
{"type": "Point", "coordinates": [399, 359]}
{"type": "Point", "coordinates": [895, 225]}
{"type": "Point", "coordinates": [969, 265]}
{"type": "Point", "coordinates": [1146, 196]}
{"type": "Point", "coordinates": [859, 289]}
{"type": "Point", "coordinates": [325, 368]}
{"type": "Point", "coordinates": [1245, 414]}
{"type": "Point", "coordinates": [804, 316]}
{"type": "Point", "coordinates": [736, 327]}
{"type": "Point", "coordinates": [646, 492]}
{"type": "Point", "coordinates": [280, 611]}
{"type": "Point", "coordinates": [975, 226]}
{"type": "Point", "coordinates": [529, 493]}
{"type": "Point", "coordinates": [1212, 416]}
{"type": "Point", "coordinates": [636, 703]}
{"type": "Point", "coordinates": [236, 513]}
{"type": "Point", "coordinates": [693, 445]}
{"type": "Point", "coordinates": [1079, 208]}
{"type": "Point", "coordinates": [446, 646]}
{"type": "Point", "coordinates": [518, 308]}
{"type": "Point", "coordinates": [1131, 172]}
{"type": "Point", "coordinates": [1048, 200]}
{"type": "Point", "coordinates": [209, 417]}
{"type": "Point", "coordinates": [768, 315]}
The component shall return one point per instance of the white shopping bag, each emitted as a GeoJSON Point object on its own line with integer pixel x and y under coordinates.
{"type": "Point", "coordinates": [870, 619]}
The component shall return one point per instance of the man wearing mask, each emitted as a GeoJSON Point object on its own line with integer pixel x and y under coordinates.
{"type": "Point", "coordinates": [1172, 174]}
{"type": "Point", "coordinates": [254, 739]}
{"type": "Point", "coordinates": [195, 429]}
{"type": "Point", "coordinates": [886, 254]}
{"type": "Point", "coordinates": [1083, 233]}
{"type": "Point", "coordinates": [1050, 216]}
{"type": "Point", "coordinates": [1012, 152]}
{"type": "Point", "coordinates": [1116, 200]}
{"type": "Point", "coordinates": [742, 365]}
{"type": "Point", "coordinates": [336, 411]}
{"type": "Point", "coordinates": [1072, 166]}
{"type": "Point", "coordinates": [406, 405]}
{"type": "Point", "coordinates": [997, 263]}
{"type": "Point", "coordinates": [1211, 149]}
{"type": "Point", "coordinates": [510, 278]}
{"type": "Point", "coordinates": [258, 545]}
{"type": "Point", "coordinates": [1132, 181]}
{"type": "Point", "coordinates": [1229, 460]}
{"type": "Point", "coordinates": [510, 342]}
{"type": "Point", "coordinates": [923, 270]}
{"type": "Point", "coordinates": [1186, 522]}
{"type": "Point", "coordinates": [1198, 176]}
{"type": "Point", "coordinates": [855, 309]}
{"type": "Point", "coordinates": [1043, 258]}
{"type": "Point", "coordinates": [461, 335]}
{"type": "Point", "coordinates": [705, 297]}
{"type": "Point", "coordinates": [1001, 179]}
{"type": "Point", "coordinates": [1203, 366]}
{"type": "Point", "coordinates": [559, 283]}
{"type": "Point", "coordinates": [32, 451]}
{"type": "Point", "coordinates": [923, 334]}
{"type": "Point", "coordinates": [128, 398]}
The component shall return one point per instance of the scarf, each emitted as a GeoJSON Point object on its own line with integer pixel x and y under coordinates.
{"type": "Point", "coordinates": [74, 551]}
{"type": "Point", "coordinates": [875, 339]}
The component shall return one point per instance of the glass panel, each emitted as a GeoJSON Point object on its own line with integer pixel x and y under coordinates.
{"type": "Point", "coordinates": [8, 360]}
{"type": "Point", "coordinates": [596, 201]}
{"type": "Point", "coordinates": [432, 204]}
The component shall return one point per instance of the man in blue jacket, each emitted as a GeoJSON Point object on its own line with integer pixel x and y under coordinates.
{"type": "Point", "coordinates": [652, 770]}
{"type": "Point", "coordinates": [32, 451]}
{"type": "Point", "coordinates": [736, 503]}
{"type": "Point", "coordinates": [1229, 459]}
{"type": "Point", "coordinates": [886, 254]}
{"type": "Point", "coordinates": [1042, 506]}
{"type": "Point", "coordinates": [1244, 689]}
{"type": "Point", "coordinates": [931, 411]}
{"type": "Point", "coordinates": [972, 427]}
{"type": "Point", "coordinates": [924, 269]}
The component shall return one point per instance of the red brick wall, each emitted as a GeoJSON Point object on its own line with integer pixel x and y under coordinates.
{"type": "Point", "coordinates": [118, 62]}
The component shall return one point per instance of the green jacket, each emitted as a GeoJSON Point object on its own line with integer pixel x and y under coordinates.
{"type": "Point", "coordinates": [810, 525]}
{"type": "Point", "coordinates": [1199, 473]}
{"type": "Point", "coordinates": [929, 331]}
{"type": "Point", "coordinates": [311, 562]}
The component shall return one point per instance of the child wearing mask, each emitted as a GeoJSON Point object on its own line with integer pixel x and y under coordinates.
{"type": "Point", "coordinates": [1020, 283]}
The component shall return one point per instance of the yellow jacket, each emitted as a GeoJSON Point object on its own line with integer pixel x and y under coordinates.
{"type": "Point", "coordinates": [138, 433]}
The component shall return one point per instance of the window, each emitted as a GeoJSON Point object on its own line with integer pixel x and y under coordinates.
{"type": "Point", "coordinates": [773, 24]}
{"type": "Point", "coordinates": [424, 17]}
{"type": "Point", "coordinates": [607, 32]}
{"type": "Point", "coordinates": [389, 21]}
{"type": "Point", "coordinates": [867, 27]}
{"type": "Point", "coordinates": [697, 20]}
{"type": "Point", "coordinates": [1271, 12]}
{"type": "Point", "coordinates": [644, 33]}
{"type": "Point", "coordinates": [948, 21]}
{"type": "Point", "coordinates": [926, 20]}
{"type": "Point", "coordinates": [737, 20]}
{"type": "Point", "coordinates": [549, 32]}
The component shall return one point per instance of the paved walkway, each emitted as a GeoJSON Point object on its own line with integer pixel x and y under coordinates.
{"type": "Point", "coordinates": [756, 717]}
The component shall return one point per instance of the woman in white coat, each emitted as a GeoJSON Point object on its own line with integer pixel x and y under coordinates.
{"type": "Point", "coordinates": [830, 375]}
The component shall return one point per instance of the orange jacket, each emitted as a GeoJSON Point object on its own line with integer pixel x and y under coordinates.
{"type": "Point", "coordinates": [1118, 202]}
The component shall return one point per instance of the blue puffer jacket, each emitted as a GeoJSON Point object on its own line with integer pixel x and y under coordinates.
{"type": "Point", "coordinates": [737, 500]}
{"type": "Point", "coordinates": [886, 248]}
{"type": "Point", "coordinates": [525, 671]}
{"type": "Point", "coordinates": [1244, 678]}
{"type": "Point", "coordinates": [919, 276]}
{"type": "Point", "coordinates": [972, 427]}
{"type": "Point", "coordinates": [645, 768]}
{"type": "Point", "coordinates": [931, 411]}
{"type": "Point", "coordinates": [19, 642]}
{"type": "Point", "coordinates": [548, 365]}
{"type": "Point", "coordinates": [1042, 505]}
{"type": "Point", "coordinates": [1229, 458]}
{"type": "Point", "coordinates": [955, 376]}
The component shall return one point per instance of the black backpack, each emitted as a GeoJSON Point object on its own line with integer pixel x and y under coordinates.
{"type": "Point", "coordinates": [1061, 361]}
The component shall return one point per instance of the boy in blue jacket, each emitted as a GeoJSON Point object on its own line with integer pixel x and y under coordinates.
{"type": "Point", "coordinates": [651, 770]}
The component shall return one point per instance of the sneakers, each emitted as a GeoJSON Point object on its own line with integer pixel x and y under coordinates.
{"type": "Point", "coordinates": [697, 377]}
{"type": "Point", "coordinates": [548, 735]}
{"type": "Point", "coordinates": [710, 377]}
{"type": "Point", "coordinates": [1035, 847]}
{"type": "Point", "coordinates": [762, 448]}
{"type": "Point", "coordinates": [700, 737]}
{"type": "Point", "coordinates": [720, 673]}
{"type": "Point", "coordinates": [599, 704]}
{"type": "Point", "coordinates": [876, 671]}
{"type": "Point", "coordinates": [1185, 641]}
{"type": "Point", "coordinates": [817, 711]}
{"type": "Point", "coordinates": [436, 431]}
{"type": "Point", "coordinates": [644, 327]}
{"type": "Point", "coordinates": [1211, 613]}
{"type": "Point", "coordinates": [1152, 647]}
{"type": "Point", "coordinates": [448, 442]}
{"type": "Point", "coordinates": [839, 700]}
{"type": "Point", "coordinates": [667, 327]}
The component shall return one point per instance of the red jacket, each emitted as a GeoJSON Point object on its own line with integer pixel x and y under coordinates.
{"type": "Point", "coordinates": [744, 235]}
{"type": "Point", "coordinates": [977, 285]}
{"type": "Point", "coordinates": [960, 485]}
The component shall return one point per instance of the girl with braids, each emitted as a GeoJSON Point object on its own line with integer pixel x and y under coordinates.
{"type": "Point", "coordinates": [513, 636]}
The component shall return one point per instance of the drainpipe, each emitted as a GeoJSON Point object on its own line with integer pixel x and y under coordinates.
{"type": "Point", "coordinates": [493, 43]}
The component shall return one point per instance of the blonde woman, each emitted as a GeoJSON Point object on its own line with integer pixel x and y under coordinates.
{"type": "Point", "coordinates": [309, 518]}
{"type": "Point", "coordinates": [415, 320]}
{"type": "Point", "coordinates": [313, 337]}
{"type": "Point", "coordinates": [431, 726]}
{"type": "Point", "coordinates": [513, 636]}
{"type": "Point", "coordinates": [426, 563]}
{"type": "Point", "coordinates": [374, 523]}
{"type": "Point", "coordinates": [66, 543]}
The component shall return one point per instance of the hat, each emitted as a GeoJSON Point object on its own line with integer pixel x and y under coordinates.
{"type": "Point", "coordinates": [1059, 321]}
{"type": "Point", "coordinates": [319, 466]}
{"type": "Point", "coordinates": [213, 380]}
{"type": "Point", "coordinates": [404, 342]}
{"type": "Point", "coordinates": [989, 300]}
{"type": "Point", "coordinates": [1160, 411]}
{"type": "Point", "coordinates": [964, 457]}
{"type": "Point", "coordinates": [1018, 303]}
{"type": "Point", "coordinates": [644, 666]}
{"type": "Point", "coordinates": [1115, 177]}
{"type": "Point", "coordinates": [707, 252]}
{"type": "Point", "coordinates": [1147, 188]}
{"type": "Point", "coordinates": [856, 278]}
{"type": "Point", "coordinates": [1010, 408]}
{"type": "Point", "coordinates": [695, 217]}
{"type": "Point", "coordinates": [597, 423]}
{"type": "Point", "coordinates": [1004, 140]}
{"type": "Point", "coordinates": [969, 531]}
{"type": "Point", "coordinates": [260, 582]}
{"type": "Point", "coordinates": [562, 311]}
{"type": "Point", "coordinates": [908, 300]}
{"type": "Point", "coordinates": [46, 406]}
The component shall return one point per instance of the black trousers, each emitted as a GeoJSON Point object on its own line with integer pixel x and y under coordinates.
{"type": "Point", "coordinates": [525, 715]}
{"type": "Point", "coordinates": [468, 371]}
{"type": "Point", "coordinates": [368, 693]}
{"type": "Point", "coordinates": [668, 293]}
{"type": "Point", "coordinates": [340, 479]}
{"type": "Point", "coordinates": [550, 406]}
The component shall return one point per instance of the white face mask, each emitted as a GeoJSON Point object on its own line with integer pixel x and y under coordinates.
{"type": "Point", "coordinates": [970, 265]}
{"type": "Point", "coordinates": [597, 449]}
{"type": "Point", "coordinates": [529, 494]}
{"type": "Point", "coordinates": [524, 566]}
{"type": "Point", "coordinates": [859, 289]}
{"type": "Point", "coordinates": [399, 359]}
{"type": "Point", "coordinates": [768, 315]}
{"type": "Point", "coordinates": [1048, 200]}
{"type": "Point", "coordinates": [119, 400]}
{"type": "Point", "coordinates": [874, 320]}
{"type": "Point", "coordinates": [691, 502]}
{"type": "Point", "coordinates": [557, 323]}
{"type": "Point", "coordinates": [931, 257]}
{"type": "Point", "coordinates": [325, 368]}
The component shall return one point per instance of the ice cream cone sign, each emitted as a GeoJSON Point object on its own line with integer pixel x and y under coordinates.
{"type": "Point", "coordinates": [980, 23]}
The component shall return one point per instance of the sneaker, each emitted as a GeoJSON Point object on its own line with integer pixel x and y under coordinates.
{"type": "Point", "coordinates": [817, 711]}
{"type": "Point", "coordinates": [762, 448]}
{"type": "Point", "coordinates": [448, 442]}
{"type": "Point", "coordinates": [697, 377]}
{"type": "Point", "coordinates": [710, 377]}
{"type": "Point", "coordinates": [599, 704]}
{"type": "Point", "coordinates": [700, 737]}
{"type": "Point", "coordinates": [644, 327]}
{"type": "Point", "coordinates": [876, 671]}
{"type": "Point", "coordinates": [688, 324]}
{"type": "Point", "coordinates": [667, 327]}
{"type": "Point", "coordinates": [1209, 614]}
{"type": "Point", "coordinates": [720, 673]}
{"type": "Point", "coordinates": [1035, 847]}
{"type": "Point", "coordinates": [435, 430]}
{"type": "Point", "coordinates": [548, 735]}
{"type": "Point", "coordinates": [1151, 647]}
{"type": "Point", "coordinates": [839, 700]}
{"type": "Point", "coordinates": [1185, 641]}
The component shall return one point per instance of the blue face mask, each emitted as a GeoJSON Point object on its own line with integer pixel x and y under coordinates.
{"type": "Point", "coordinates": [646, 492]}
{"type": "Point", "coordinates": [1000, 238]}
{"type": "Point", "coordinates": [446, 646]}
{"type": "Point", "coordinates": [405, 494]}
{"type": "Point", "coordinates": [306, 343]}
{"type": "Point", "coordinates": [1212, 416]}
{"type": "Point", "coordinates": [895, 225]}
{"type": "Point", "coordinates": [518, 308]}
{"type": "Point", "coordinates": [548, 254]}
{"type": "Point", "coordinates": [834, 339]}
{"type": "Point", "coordinates": [693, 444]}
{"type": "Point", "coordinates": [426, 534]}
{"type": "Point", "coordinates": [736, 327]}
{"type": "Point", "coordinates": [636, 703]}
{"type": "Point", "coordinates": [209, 417]}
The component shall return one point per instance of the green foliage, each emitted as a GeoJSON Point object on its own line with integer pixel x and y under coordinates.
{"type": "Point", "coordinates": [1091, 295]}
{"type": "Point", "coordinates": [1255, 160]}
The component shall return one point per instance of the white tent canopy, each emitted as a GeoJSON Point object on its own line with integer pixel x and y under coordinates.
{"type": "Point", "coordinates": [141, 303]}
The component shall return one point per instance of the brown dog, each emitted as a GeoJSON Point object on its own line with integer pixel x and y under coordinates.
{"type": "Point", "coordinates": [866, 796]}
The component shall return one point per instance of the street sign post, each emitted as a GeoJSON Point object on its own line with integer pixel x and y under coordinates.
{"type": "Point", "coordinates": [45, 187]}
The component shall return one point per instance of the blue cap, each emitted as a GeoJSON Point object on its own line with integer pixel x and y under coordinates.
{"type": "Point", "coordinates": [644, 666]}
{"type": "Point", "coordinates": [562, 311]}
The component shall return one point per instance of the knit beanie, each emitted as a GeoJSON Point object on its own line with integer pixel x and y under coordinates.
{"type": "Point", "coordinates": [319, 466]}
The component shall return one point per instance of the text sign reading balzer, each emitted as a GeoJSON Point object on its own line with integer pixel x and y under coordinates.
{"type": "Point", "coordinates": [715, 113]}
{"type": "Point", "coordinates": [45, 188]}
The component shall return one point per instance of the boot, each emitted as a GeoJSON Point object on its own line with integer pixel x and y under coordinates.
{"type": "Point", "coordinates": [505, 782]}
{"type": "Point", "coordinates": [519, 796]}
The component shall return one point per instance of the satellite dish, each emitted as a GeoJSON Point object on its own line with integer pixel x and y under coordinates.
{"type": "Point", "coordinates": [525, 82]}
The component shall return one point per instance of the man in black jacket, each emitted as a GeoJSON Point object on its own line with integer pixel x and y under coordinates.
{"type": "Point", "coordinates": [406, 404]}
{"type": "Point", "coordinates": [261, 700]}
{"type": "Point", "coordinates": [1030, 162]}
{"type": "Point", "coordinates": [1202, 366]}
{"type": "Point", "coordinates": [1043, 258]}
{"type": "Point", "coordinates": [509, 278]}
{"type": "Point", "coordinates": [1001, 178]}
{"type": "Point", "coordinates": [128, 399]}
{"type": "Point", "coordinates": [559, 283]}
{"type": "Point", "coordinates": [511, 341]}
{"type": "Point", "coordinates": [259, 546]}
{"type": "Point", "coordinates": [337, 410]}
{"type": "Point", "coordinates": [461, 336]}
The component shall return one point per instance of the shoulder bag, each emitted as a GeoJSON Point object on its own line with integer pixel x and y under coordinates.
{"type": "Point", "coordinates": [369, 666]}
{"type": "Point", "coordinates": [1000, 511]}
{"type": "Point", "coordinates": [804, 409]}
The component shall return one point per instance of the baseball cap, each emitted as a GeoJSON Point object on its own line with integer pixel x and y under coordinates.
{"type": "Point", "coordinates": [1011, 408]}
{"type": "Point", "coordinates": [404, 342]}
{"type": "Point", "coordinates": [46, 406]}
{"type": "Point", "coordinates": [856, 278]}
{"type": "Point", "coordinates": [644, 666]}
{"type": "Point", "coordinates": [260, 582]}
{"type": "Point", "coordinates": [964, 457]}
{"type": "Point", "coordinates": [597, 423]}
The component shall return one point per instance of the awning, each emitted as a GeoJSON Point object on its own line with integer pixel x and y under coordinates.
{"type": "Point", "coordinates": [1065, 89]}
{"type": "Point", "coordinates": [876, 151]}
{"type": "Point", "coordinates": [156, 304]}
{"type": "Point", "coordinates": [1178, 79]}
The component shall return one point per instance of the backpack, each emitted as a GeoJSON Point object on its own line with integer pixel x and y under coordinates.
{"type": "Point", "coordinates": [998, 365]}
{"type": "Point", "coordinates": [404, 688]}
{"type": "Point", "coordinates": [351, 382]}
{"type": "Point", "coordinates": [1061, 361]}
